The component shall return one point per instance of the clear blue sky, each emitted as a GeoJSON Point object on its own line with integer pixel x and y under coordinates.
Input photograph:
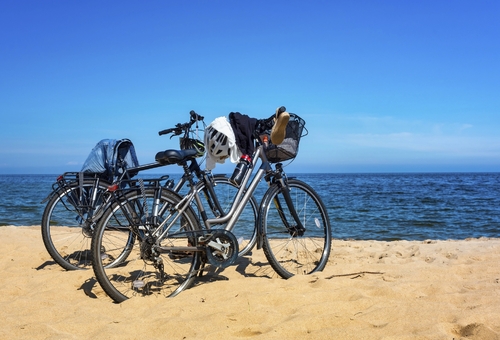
{"type": "Point", "coordinates": [384, 86]}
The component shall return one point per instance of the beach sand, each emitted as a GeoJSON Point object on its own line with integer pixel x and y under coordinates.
{"type": "Point", "coordinates": [369, 290]}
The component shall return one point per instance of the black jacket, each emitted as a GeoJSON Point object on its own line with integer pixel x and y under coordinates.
{"type": "Point", "coordinates": [243, 127]}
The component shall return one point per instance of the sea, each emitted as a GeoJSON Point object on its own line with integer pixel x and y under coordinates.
{"type": "Point", "coordinates": [364, 206]}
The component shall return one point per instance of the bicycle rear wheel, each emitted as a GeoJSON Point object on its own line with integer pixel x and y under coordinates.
{"type": "Point", "coordinates": [289, 250]}
{"type": "Point", "coordinates": [146, 271]}
{"type": "Point", "coordinates": [66, 222]}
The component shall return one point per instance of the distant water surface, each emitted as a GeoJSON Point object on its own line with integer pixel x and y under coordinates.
{"type": "Point", "coordinates": [410, 206]}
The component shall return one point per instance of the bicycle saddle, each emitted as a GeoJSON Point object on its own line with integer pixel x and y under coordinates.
{"type": "Point", "coordinates": [175, 156]}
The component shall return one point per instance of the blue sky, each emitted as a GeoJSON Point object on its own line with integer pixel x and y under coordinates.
{"type": "Point", "coordinates": [384, 86]}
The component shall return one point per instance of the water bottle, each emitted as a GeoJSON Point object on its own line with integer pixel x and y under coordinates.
{"type": "Point", "coordinates": [241, 169]}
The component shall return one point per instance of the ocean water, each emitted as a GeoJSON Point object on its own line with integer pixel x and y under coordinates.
{"type": "Point", "coordinates": [408, 206]}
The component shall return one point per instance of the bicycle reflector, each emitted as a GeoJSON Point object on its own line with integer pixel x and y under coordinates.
{"type": "Point", "coordinates": [113, 188]}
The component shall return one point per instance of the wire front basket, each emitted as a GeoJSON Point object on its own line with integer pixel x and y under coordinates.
{"type": "Point", "coordinates": [289, 148]}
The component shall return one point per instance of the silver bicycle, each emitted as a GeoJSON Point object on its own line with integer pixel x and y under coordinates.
{"type": "Point", "coordinates": [292, 227]}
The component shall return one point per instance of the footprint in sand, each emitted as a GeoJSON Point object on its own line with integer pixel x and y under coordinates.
{"type": "Point", "coordinates": [475, 331]}
{"type": "Point", "coordinates": [429, 259]}
{"type": "Point", "coordinates": [451, 256]}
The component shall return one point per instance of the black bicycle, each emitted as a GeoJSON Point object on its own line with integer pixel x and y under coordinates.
{"type": "Point", "coordinates": [79, 199]}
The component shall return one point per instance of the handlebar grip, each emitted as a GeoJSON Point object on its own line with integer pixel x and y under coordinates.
{"type": "Point", "coordinates": [195, 116]}
{"type": "Point", "coordinates": [179, 128]}
{"type": "Point", "coordinates": [164, 132]}
{"type": "Point", "coordinates": [279, 111]}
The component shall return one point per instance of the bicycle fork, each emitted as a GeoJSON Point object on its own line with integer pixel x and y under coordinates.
{"type": "Point", "coordinates": [295, 230]}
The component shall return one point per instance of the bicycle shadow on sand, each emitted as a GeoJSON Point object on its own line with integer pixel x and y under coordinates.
{"type": "Point", "coordinates": [82, 259]}
{"type": "Point", "coordinates": [88, 286]}
{"type": "Point", "coordinates": [46, 264]}
{"type": "Point", "coordinates": [243, 265]}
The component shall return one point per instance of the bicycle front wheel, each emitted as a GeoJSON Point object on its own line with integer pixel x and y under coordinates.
{"type": "Point", "coordinates": [147, 270]}
{"type": "Point", "coordinates": [67, 222]}
{"type": "Point", "coordinates": [289, 249]}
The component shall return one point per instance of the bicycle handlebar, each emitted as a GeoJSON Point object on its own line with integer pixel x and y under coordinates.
{"type": "Point", "coordinates": [194, 117]}
{"type": "Point", "coordinates": [180, 128]}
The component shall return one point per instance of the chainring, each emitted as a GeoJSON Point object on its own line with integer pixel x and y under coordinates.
{"type": "Point", "coordinates": [221, 248]}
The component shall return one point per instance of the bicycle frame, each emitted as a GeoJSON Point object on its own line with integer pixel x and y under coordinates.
{"type": "Point", "coordinates": [242, 197]}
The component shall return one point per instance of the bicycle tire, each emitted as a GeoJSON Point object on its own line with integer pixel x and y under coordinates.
{"type": "Point", "coordinates": [65, 230]}
{"type": "Point", "coordinates": [122, 279]}
{"type": "Point", "coordinates": [244, 229]}
{"type": "Point", "coordinates": [288, 252]}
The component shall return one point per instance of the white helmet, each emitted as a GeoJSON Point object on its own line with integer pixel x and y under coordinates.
{"type": "Point", "coordinates": [220, 143]}
{"type": "Point", "coordinates": [217, 142]}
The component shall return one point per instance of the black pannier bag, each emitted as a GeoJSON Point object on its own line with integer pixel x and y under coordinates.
{"type": "Point", "coordinates": [289, 148]}
{"type": "Point", "coordinates": [110, 157]}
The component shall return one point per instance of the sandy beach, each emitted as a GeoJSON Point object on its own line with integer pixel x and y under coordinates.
{"type": "Point", "coordinates": [369, 290]}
